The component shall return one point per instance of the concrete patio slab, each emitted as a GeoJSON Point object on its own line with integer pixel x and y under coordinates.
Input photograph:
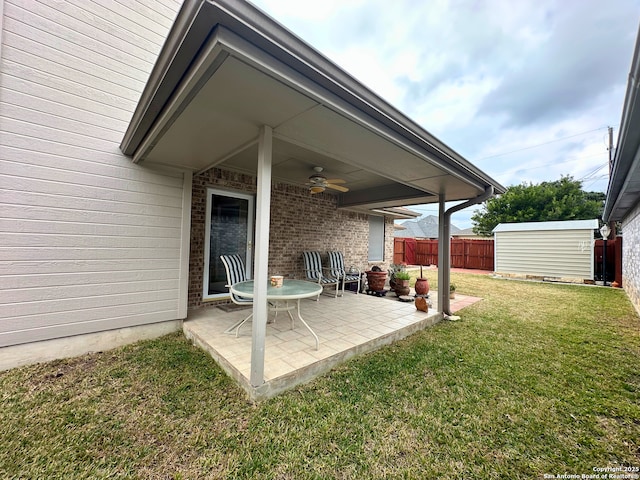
{"type": "Point", "coordinates": [346, 326]}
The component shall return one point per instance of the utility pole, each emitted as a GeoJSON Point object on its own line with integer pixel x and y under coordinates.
{"type": "Point", "coordinates": [610, 150]}
{"type": "Point", "coordinates": [611, 228]}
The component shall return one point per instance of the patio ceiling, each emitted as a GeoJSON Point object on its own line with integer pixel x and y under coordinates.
{"type": "Point", "coordinates": [227, 69]}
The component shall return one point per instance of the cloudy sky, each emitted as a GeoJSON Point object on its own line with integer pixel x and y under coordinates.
{"type": "Point", "coordinates": [523, 89]}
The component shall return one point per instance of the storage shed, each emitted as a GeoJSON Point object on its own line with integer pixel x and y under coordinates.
{"type": "Point", "coordinates": [560, 250]}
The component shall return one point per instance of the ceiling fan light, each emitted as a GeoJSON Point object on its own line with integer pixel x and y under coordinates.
{"type": "Point", "coordinates": [316, 189]}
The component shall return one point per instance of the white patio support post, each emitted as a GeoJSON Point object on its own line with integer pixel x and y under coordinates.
{"type": "Point", "coordinates": [261, 250]}
{"type": "Point", "coordinates": [444, 258]}
{"type": "Point", "coordinates": [444, 246]}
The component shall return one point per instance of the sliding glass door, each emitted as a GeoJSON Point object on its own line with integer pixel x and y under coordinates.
{"type": "Point", "coordinates": [228, 231]}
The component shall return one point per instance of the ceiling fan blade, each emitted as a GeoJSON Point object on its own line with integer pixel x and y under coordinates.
{"type": "Point", "coordinates": [337, 187]}
{"type": "Point", "coordinates": [335, 180]}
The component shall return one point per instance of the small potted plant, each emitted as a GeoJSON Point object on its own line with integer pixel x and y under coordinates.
{"type": "Point", "coordinates": [393, 269]}
{"type": "Point", "coordinates": [452, 290]}
{"type": "Point", "coordinates": [402, 283]}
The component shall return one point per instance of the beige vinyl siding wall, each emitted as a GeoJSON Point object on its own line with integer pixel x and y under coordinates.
{"type": "Point", "coordinates": [566, 254]}
{"type": "Point", "coordinates": [88, 240]}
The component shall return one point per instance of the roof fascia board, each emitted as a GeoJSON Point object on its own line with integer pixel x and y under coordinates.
{"type": "Point", "coordinates": [613, 209]}
{"type": "Point", "coordinates": [193, 27]}
{"type": "Point", "coordinates": [626, 156]}
{"type": "Point", "coordinates": [547, 226]}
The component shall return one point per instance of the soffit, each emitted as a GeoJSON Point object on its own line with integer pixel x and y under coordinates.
{"type": "Point", "coordinates": [226, 70]}
{"type": "Point", "coordinates": [624, 185]}
{"type": "Point", "coordinates": [623, 192]}
{"type": "Point", "coordinates": [219, 126]}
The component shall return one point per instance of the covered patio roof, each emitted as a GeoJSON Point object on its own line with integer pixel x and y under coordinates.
{"type": "Point", "coordinates": [227, 69]}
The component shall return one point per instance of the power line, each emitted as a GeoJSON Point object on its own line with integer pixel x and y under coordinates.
{"type": "Point", "coordinates": [595, 180]}
{"type": "Point", "coordinates": [593, 172]}
{"type": "Point", "coordinates": [553, 163]}
{"type": "Point", "coordinates": [542, 144]}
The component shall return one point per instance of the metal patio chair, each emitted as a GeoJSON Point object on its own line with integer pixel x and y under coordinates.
{"type": "Point", "coordinates": [236, 272]}
{"type": "Point", "coordinates": [234, 266]}
{"type": "Point", "coordinates": [314, 271]}
{"type": "Point", "coordinates": [337, 269]}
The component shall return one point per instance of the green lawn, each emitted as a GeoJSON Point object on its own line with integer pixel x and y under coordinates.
{"type": "Point", "coordinates": [535, 379]}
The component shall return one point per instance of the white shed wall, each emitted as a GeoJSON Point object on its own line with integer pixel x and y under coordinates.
{"type": "Point", "coordinates": [546, 253]}
{"type": "Point", "coordinates": [88, 240]}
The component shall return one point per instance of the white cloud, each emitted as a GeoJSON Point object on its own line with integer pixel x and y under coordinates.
{"type": "Point", "coordinates": [488, 77]}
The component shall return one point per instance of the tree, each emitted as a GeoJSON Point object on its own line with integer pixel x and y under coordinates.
{"type": "Point", "coordinates": [562, 199]}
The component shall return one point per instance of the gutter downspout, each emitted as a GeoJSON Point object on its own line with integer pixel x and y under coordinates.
{"type": "Point", "coordinates": [444, 247]}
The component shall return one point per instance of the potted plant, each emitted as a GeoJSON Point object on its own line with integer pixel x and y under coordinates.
{"type": "Point", "coordinates": [402, 283]}
{"type": "Point", "coordinates": [422, 284]}
{"type": "Point", "coordinates": [393, 269]}
{"type": "Point", "coordinates": [452, 290]}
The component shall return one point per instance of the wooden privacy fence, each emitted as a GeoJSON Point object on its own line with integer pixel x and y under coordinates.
{"type": "Point", "coordinates": [478, 255]}
{"type": "Point", "coordinates": [465, 253]}
{"type": "Point", "coordinates": [614, 259]}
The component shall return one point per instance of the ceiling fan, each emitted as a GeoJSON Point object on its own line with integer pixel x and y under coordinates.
{"type": "Point", "coordinates": [318, 183]}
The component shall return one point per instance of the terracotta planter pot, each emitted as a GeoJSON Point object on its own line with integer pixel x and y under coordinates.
{"type": "Point", "coordinates": [376, 280]}
{"type": "Point", "coordinates": [422, 286]}
{"type": "Point", "coordinates": [402, 287]}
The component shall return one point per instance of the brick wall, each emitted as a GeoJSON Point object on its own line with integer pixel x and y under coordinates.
{"type": "Point", "coordinates": [299, 221]}
{"type": "Point", "coordinates": [631, 256]}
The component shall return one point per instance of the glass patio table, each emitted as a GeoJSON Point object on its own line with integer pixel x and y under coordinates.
{"type": "Point", "coordinates": [290, 290]}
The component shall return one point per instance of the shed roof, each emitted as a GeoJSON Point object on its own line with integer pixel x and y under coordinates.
{"type": "Point", "coordinates": [540, 226]}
